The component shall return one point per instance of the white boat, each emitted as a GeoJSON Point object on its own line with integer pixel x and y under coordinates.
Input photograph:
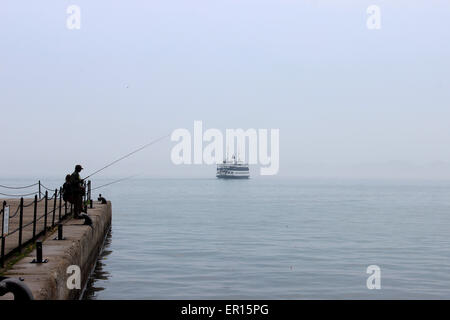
{"type": "Point", "coordinates": [233, 169]}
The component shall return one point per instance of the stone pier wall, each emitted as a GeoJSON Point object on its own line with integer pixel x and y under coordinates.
{"type": "Point", "coordinates": [81, 246]}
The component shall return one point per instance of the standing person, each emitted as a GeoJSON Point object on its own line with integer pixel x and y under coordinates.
{"type": "Point", "coordinates": [67, 190]}
{"type": "Point", "coordinates": [77, 190]}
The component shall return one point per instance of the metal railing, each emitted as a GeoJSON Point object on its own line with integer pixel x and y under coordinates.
{"type": "Point", "coordinates": [51, 211]}
{"type": "Point", "coordinates": [40, 186]}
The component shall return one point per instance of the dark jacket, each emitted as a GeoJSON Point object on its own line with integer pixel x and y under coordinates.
{"type": "Point", "coordinates": [76, 183]}
{"type": "Point", "coordinates": [67, 192]}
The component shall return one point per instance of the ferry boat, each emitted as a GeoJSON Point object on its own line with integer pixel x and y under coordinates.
{"type": "Point", "coordinates": [233, 169]}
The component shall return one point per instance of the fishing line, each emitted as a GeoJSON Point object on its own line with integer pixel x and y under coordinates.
{"type": "Point", "coordinates": [128, 155]}
{"type": "Point", "coordinates": [116, 181]}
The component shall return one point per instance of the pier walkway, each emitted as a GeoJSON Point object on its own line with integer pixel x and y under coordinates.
{"type": "Point", "coordinates": [17, 237]}
{"type": "Point", "coordinates": [23, 220]}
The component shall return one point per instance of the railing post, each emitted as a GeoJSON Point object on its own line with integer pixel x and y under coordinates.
{"type": "Point", "coordinates": [20, 224]}
{"type": "Point", "coordinates": [85, 196]}
{"type": "Point", "coordinates": [65, 209]}
{"type": "Point", "coordinates": [45, 212]}
{"type": "Point", "coordinates": [60, 204]}
{"type": "Point", "coordinates": [2, 257]}
{"type": "Point", "coordinates": [39, 189]}
{"type": "Point", "coordinates": [90, 194]}
{"type": "Point", "coordinates": [54, 207]}
{"type": "Point", "coordinates": [34, 217]}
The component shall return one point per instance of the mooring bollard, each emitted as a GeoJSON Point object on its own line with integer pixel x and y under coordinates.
{"type": "Point", "coordinates": [39, 251]}
{"type": "Point", "coordinates": [60, 231]}
{"type": "Point", "coordinates": [39, 254]}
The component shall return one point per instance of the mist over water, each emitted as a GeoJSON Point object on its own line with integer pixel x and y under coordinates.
{"type": "Point", "coordinates": [350, 103]}
{"type": "Point", "coordinates": [279, 239]}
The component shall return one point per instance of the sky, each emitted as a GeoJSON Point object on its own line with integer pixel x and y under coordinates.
{"type": "Point", "coordinates": [349, 102]}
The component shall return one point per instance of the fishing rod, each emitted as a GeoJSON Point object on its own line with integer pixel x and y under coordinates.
{"type": "Point", "coordinates": [128, 155]}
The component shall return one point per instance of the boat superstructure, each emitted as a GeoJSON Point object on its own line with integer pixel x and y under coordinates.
{"type": "Point", "coordinates": [233, 169]}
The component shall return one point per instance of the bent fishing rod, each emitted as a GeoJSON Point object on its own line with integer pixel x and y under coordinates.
{"type": "Point", "coordinates": [107, 166]}
{"type": "Point", "coordinates": [128, 155]}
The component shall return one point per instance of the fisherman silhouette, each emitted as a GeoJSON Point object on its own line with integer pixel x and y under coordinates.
{"type": "Point", "coordinates": [101, 199]}
{"type": "Point", "coordinates": [77, 187]}
{"type": "Point", "coordinates": [67, 190]}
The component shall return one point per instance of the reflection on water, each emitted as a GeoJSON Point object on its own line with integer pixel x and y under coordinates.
{"type": "Point", "coordinates": [96, 279]}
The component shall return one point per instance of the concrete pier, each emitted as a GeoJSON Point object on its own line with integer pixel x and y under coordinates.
{"type": "Point", "coordinates": [80, 247]}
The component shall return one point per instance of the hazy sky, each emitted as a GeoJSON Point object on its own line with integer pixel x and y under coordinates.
{"type": "Point", "coordinates": [349, 101]}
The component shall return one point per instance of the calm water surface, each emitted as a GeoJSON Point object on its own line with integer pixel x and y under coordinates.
{"type": "Point", "coordinates": [274, 239]}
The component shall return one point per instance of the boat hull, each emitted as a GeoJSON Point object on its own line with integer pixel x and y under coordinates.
{"type": "Point", "coordinates": [232, 177]}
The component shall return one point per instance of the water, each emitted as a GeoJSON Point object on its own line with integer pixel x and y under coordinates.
{"type": "Point", "coordinates": [274, 239]}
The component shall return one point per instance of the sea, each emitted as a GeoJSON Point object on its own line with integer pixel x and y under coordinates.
{"type": "Point", "coordinates": [274, 239]}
